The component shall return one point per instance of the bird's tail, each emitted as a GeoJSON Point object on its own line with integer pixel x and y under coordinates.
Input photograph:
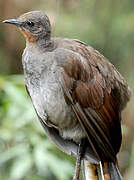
{"type": "Point", "coordinates": [107, 171]}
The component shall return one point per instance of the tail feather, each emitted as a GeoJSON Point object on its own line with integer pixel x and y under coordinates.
{"type": "Point", "coordinates": [89, 170]}
{"type": "Point", "coordinates": [109, 171]}
{"type": "Point", "coordinates": [113, 171]}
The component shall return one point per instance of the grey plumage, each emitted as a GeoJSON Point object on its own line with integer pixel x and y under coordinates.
{"type": "Point", "coordinates": [76, 92]}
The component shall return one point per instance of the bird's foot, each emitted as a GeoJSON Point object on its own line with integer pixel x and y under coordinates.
{"type": "Point", "coordinates": [78, 161]}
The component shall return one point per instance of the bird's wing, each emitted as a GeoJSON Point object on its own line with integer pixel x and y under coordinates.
{"type": "Point", "coordinates": [67, 146]}
{"type": "Point", "coordinates": [89, 87]}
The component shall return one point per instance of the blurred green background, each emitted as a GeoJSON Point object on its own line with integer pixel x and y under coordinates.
{"type": "Point", "coordinates": [107, 25]}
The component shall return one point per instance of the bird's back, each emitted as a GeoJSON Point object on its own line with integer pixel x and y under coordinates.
{"type": "Point", "coordinates": [97, 91]}
{"type": "Point", "coordinates": [114, 80]}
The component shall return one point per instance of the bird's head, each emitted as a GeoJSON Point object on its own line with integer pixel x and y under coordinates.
{"type": "Point", "coordinates": [34, 25]}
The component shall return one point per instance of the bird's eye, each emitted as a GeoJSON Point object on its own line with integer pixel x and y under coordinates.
{"type": "Point", "coordinates": [30, 23]}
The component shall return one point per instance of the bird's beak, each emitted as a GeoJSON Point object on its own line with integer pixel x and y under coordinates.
{"type": "Point", "coordinates": [14, 22]}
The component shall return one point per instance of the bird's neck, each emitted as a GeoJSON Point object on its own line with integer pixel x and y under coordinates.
{"type": "Point", "coordinates": [43, 44]}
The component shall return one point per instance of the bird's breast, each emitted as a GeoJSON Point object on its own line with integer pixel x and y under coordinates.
{"type": "Point", "coordinates": [44, 87]}
{"type": "Point", "coordinates": [59, 113]}
{"type": "Point", "coordinates": [48, 99]}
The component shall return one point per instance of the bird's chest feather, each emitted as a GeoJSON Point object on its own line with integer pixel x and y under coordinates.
{"type": "Point", "coordinates": [46, 92]}
{"type": "Point", "coordinates": [52, 108]}
{"type": "Point", "coordinates": [53, 100]}
{"type": "Point", "coordinates": [43, 81]}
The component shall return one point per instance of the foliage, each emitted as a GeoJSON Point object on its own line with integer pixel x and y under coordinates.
{"type": "Point", "coordinates": [25, 151]}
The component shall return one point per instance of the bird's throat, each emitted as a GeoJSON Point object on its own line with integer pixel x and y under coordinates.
{"type": "Point", "coordinates": [29, 37]}
{"type": "Point", "coordinates": [42, 42]}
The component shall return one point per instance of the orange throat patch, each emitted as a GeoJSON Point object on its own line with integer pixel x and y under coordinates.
{"type": "Point", "coordinates": [29, 37]}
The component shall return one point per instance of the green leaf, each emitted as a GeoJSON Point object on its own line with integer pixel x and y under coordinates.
{"type": "Point", "coordinates": [21, 167]}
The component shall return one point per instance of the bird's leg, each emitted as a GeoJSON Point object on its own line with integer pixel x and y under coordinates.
{"type": "Point", "coordinates": [78, 161]}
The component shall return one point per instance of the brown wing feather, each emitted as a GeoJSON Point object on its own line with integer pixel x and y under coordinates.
{"type": "Point", "coordinates": [95, 121]}
{"type": "Point", "coordinates": [92, 86]}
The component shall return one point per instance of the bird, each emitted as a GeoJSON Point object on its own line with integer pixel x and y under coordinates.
{"type": "Point", "coordinates": [78, 96]}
